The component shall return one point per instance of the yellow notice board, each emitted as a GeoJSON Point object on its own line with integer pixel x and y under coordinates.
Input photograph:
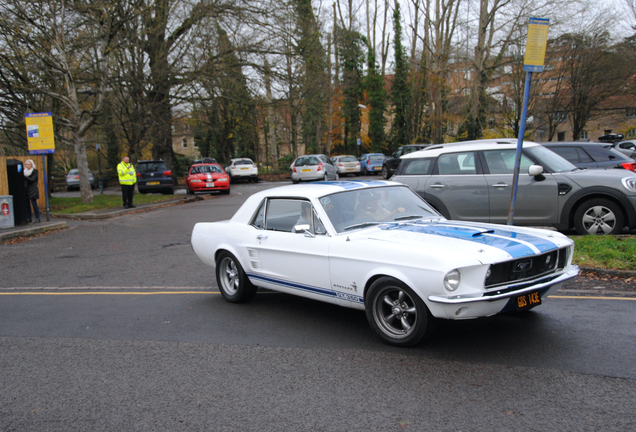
{"type": "Point", "coordinates": [536, 44]}
{"type": "Point", "coordinates": [40, 137]}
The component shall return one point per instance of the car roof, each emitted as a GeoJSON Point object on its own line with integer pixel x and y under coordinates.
{"type": "Point", "coordinates": [486, 144]}
{"type": "Point", "coordinates": [204, 164]}
{"type": "Point", "coordinates": [240, 159]}
{"type": "Point", "coordinates": [576, 143]}
{"type": "Point", "coordinates": [319, 189]}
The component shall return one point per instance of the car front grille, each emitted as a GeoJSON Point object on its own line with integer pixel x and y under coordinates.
{"type": "Point", "coordinates": [526, 269]}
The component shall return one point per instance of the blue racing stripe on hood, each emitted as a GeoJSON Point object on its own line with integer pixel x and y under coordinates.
{"type": "Point", "coordinates": [543, 244]}
{"type": "Point", "coordinates": [513, 247]}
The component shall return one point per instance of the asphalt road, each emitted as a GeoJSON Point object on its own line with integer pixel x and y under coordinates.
{"type": "Point", "coordinates": [116, 325]}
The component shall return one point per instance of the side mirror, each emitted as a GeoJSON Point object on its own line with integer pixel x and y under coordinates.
{"type": "Point", "coordinates": [535, 170]}
{"type": "Point", "coordinates": [301, 228]}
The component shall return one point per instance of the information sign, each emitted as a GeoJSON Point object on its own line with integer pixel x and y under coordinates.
{"type": "Point", "coordinates": [536, 44]}
{"type": "Point", "coordinates": [40, 137]}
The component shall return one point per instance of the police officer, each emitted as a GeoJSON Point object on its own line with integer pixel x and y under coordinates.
{"type": "Point", "coordinates": [127, 180]}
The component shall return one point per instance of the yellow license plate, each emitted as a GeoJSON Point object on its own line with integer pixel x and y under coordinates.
{"type": "Point", "coordinates": [307, 170]}
{"type": "Point", "coordinates": [527, 301]}
{"type": "Point", "coordinates": [152, 183]}
{"type": "Point", "coordinates": [244, 168]}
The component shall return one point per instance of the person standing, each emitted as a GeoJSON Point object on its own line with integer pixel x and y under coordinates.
{"type": "Point", "coordinates": [33, 193]}
{"type": "Point", "coordinates": [127, 180]}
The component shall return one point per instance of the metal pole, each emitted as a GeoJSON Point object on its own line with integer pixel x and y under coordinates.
{"type": "Point", "coordinates": [522, 131]}
{"type": "Point", "coordinates": [46, 187]}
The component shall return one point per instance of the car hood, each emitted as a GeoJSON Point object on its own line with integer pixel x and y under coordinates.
{"type": "Point", "coordinates": [487, 243]}
{"type": "Point", "coordinates": [610, 177]}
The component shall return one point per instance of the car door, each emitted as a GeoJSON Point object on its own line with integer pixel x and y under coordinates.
{"type": "Point", "coordinates": [537, 197]}
{"type": "Point", "coordinates": [288, 261]}
{"type": "Point", "coordinates": [458, 186]}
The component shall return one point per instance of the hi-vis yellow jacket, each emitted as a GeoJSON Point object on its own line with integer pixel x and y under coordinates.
{"type": "Point", "coordinates": [127, 174]}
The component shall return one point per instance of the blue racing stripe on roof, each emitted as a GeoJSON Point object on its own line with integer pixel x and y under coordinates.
{"type": "Point", "coordinates": [512, 247]}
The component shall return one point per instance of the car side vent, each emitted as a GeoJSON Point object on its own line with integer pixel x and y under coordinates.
{"type": "Point", "coordinates": [564, 188]}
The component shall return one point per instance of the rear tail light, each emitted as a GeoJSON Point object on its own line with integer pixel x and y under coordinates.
{"type": "Point", "coordinates": [340, 165]}
{"type": "Point", "coordinates": [167, 173]}
{"type": "Point", "coordinates": [358, 164]}
{"type": "Point", "coordinates": [295, 169]}
{"type": "Point", "coordinates": [138, 175]}
{"type": "Point", "coordinates": [629, 166]}
{"type": "Point", "coordinates": [319, 167]}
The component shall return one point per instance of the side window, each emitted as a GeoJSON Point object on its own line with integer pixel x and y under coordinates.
{"type": "Point", "coordinates": [568, 153]}
{"type": "Point", "coordinates": [258, 221]}
{"type": "Point", "coordinates": [584, 156]}
{"type": "Point", "coordinates": [416, 166]}
{"type": "Point", "coordinates": [601, 154]}
{"type": "Point", "coordinates": [503, 161]}
{"type": "Point", "coordinates": [456, 163]}
{"type": "Point", "coordinates": [286, 214]}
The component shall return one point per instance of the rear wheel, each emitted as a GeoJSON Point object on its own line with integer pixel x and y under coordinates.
{"type": "Point", "coordinates": [396, 314]}
{"type": "Point", "coordinates": [385, 172]}
{"type": "Point", "coordinates": [598, 217]}
{"type": "Point", "coordinates": [232, 280]}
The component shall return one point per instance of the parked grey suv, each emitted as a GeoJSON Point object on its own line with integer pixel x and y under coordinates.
{"type": "Point", "coordinates": [591, 155]}
{"type": "Point", "coordinates": [472, 181]}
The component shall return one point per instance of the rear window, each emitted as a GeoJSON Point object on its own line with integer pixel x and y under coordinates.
{"type": "Point", "coordinates": [376, 157]}
{"type": "Point", "coordinates": [243, 162]}
{"type": "Point", "coordinates": [348, 159]}
{"type": "Point", "coordinates": [306, 161]}
{"type": "Point", "coordinates": [151, 167]}
{"type": "Point", "coordinates": [601, 154]}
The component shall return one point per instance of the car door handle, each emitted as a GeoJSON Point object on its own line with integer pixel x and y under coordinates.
{"type": "Point", "coordinates": [500, 185]}
{"type": "Point", "coordinates": [437, 186]}
{"type": "Point", "coordinates": [261, 237]}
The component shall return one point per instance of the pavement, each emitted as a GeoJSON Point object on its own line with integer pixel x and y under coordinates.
{"type": "Point", "coordinates": [57, 221]}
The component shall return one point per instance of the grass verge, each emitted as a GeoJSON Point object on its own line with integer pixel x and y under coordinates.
{"type": "Point", "coordinates": [608, 252]}
{"type": "Point", "coordinates": [75, 205]}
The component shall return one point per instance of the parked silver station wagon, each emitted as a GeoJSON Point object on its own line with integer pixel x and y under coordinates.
{"type": "Point", "coordinates": [472, 181]}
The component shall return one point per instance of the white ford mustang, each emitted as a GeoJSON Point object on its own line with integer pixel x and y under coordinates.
{"type": "Point", "coordinates": [377, 246]}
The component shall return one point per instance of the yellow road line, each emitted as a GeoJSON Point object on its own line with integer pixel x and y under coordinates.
{"type": "Point", "coordinates": [592, 297]}
{"type": "Point", "coordinates": [110, 293]}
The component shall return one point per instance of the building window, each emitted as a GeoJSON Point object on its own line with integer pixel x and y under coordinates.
{"type": "Point", "coordinates": [184, 143]}
{"type": "Point", "coordinates": [560, 116]}
{"type": "Point", "coordinates": [491, 123]}
{"type": "Point", "coordinates": [631, 133]}
{"type": "Point", "coordinates": [584, 135]}
{"type": "Point", "coordinates": [561, 136]}
{"type": "Point", "coordinates": [630, 112]}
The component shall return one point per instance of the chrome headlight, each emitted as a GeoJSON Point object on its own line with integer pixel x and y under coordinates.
{"type": "Point", "coordinates": [629, 183]}
{"type": "Point", "coordinates": [452, 280]}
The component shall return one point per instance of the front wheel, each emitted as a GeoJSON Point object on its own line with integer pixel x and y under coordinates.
{"type": "Point", "coordinates": [385, 172]}
{"type": "Point", "coordinates": [598, 217]}
{"type": "Point", "coordinates": [396, 314]}
{"type": "Point", "coordinates": [233, 283]}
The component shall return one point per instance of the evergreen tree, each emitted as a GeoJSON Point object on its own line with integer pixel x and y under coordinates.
{"type": "Point", "coordinates": [377, 104]}
{"type": "Point", "coordinates": [314, 80]}
{"type": "Point", "coordinates": [400, 92]}
{"type": "Point", "coordinates": [351, 54]}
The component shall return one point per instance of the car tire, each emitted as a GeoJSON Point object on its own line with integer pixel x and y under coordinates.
{"type": "Point", "coordinates": [231, 178]}
{"type": "Point", "coordinates": [188, 191]}
{"type": "Point", "coordinates": [598, 217]}
{"type": "Point", "coordinates": [364, 171]}
{"type": "Point", "coordinates": [169, 191]}
{"type": "Point", "coordinates": [337, 177]}
{"type": "Point", "coordinates": [233, 283]}
{"type": "Point", "coordinates": [385, 172]}
{"type": "Point", "coordinates": [295, 181]}
{"type": "Point", "coordinates": [388, 296]}
{"type": "Point", "coordinates": [325, 178]}
{"type": "Point", "coordinates": [225, 191]}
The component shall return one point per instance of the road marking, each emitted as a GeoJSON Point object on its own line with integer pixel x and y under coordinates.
{"type": "Point", "coordinates": [591, 297]}
{"type": "Point", "coordinates": [110, 293]}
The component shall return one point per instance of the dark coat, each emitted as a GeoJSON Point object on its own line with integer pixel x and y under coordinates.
{"type": "Point", "coordinates": [31, 183]}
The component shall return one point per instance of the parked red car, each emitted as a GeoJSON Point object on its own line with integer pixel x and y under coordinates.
{"type": "Point", "coordinates": [207, 178]}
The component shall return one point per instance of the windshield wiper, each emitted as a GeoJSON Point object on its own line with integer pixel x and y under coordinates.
{"type": "Point", "coordinates": [361, 225]}
{"type": "Point", "coordinates": [578, 169]}
{"type": "Point", "coordinates": [408, 217]}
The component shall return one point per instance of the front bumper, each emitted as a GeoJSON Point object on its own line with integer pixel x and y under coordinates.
{"type": "Point", "coordinates": [463, 307]}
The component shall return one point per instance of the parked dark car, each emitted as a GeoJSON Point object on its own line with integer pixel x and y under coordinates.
{"type": "Point", "coordinates": [154, 176]}
{"type": "Point", "coordinates": [591, 155]}
{"type": "Point", "coordinates": [611, 138]}
{"type": "Point", "coordinates": [390, 164]}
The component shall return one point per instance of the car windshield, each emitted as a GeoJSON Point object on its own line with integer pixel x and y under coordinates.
{"type": "Point", "coordinates": [356, 209]}
{"type": "Point", "coordinates": [549, 160]}
{"type": "Point", "coordinates": [151, 166]}
{"type": "Point", "coordinates": [206, 169]}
